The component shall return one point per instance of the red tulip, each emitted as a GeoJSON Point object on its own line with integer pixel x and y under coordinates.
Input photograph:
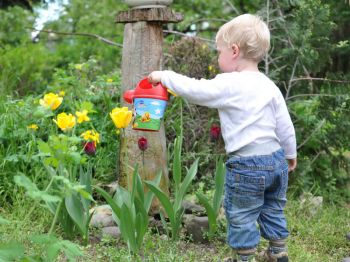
{"type": "Point", "coordinates": [142, 143]}
{"type": "Point", "coordinates": [215, 132]}
{"type": "Point", "coordinates": [89, 148]}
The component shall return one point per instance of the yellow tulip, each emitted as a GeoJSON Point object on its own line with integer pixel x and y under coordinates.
{"type": "Point", "coordinates": [121, 117]}
{"type": "Point", "coordinates": [65, 122]}
{"type": "Point", "coordinates": [82, 116]}
{"type": "Point", "coordinates": [91, 135]}
{"type": "Point", "coordinates": [33, 126]}
{"type": "Point", "coordinates": [51, 101]}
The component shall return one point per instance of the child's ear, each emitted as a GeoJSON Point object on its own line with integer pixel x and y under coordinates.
{"type": "Point", "coordinates": [235, 50]}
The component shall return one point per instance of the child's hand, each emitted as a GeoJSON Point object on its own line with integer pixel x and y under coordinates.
{"type": "Point", "coordinates": [155, 77]}
{"type": "Point", "coordinates": [292, 164]}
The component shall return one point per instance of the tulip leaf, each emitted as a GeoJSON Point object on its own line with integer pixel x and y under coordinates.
{"type": "Point", "coordinates": [210, 211]}
{"type": "Point", "coordinates": [75, 210]}
{"type": "Point", "coordinates": [191, 173]}
{"type": "Point", "coordinates": [177, 162]}
{"type": "Point", "coordinates": [116, 209]}
{"type": "Point", "coordinates": [163, 198]}
{"type": "Point", "coordinates": [149, 195]}
{"type": "Point", "coordinates": [219, 184]}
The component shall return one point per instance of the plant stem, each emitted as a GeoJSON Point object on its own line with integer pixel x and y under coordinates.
{"type": "Point", "coordinates": [58, 209]}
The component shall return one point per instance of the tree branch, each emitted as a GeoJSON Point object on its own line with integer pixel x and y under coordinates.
{"type": "Point", "coordinates": [313, 132]}
{"type": "Point", "coordinates": [320, 79]}
{"type": "Point", "coordinates": [107, 41]}
{"type": "Point", "coordinates": [301, 95]}
{"type": "Point", "coordinates": [183, 34]}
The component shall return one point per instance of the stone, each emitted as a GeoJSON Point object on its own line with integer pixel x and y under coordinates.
{"type": "Point", "coordinates": [347, 259]}
{"type": "Point", "coordinates": [191, 208]}
{"type": "Point", "coordinates": [102, 216]}
{"type": "Point", "coordinates": [197, 227]}
{"type": "Point", "coordinates": [112, 231]}
{"type": "Point", "coordinates": [156, 226]}
{"type": "Point", "coordinates": [311, 203]}
{"type": "Point", "coordinates": [348, 236]}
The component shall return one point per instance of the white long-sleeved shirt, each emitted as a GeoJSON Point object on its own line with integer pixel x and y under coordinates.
{"type": "Point", "coordinates": [251, 108]}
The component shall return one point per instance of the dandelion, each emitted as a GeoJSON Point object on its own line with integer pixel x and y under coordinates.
{"type": "Point", "coordinates": [121, 117]}
{"type": "Point", "coordinates": [62, 93]}
{"type": "Point", "coordinates": [82, 116]}
{"type": "Point", "coordinates": [65, 122]}
{"type": "Point", "coordinates": [51, 101]}
{"type": "Point", "coordinates": [33, 127]}
{"type": "Point", "coordinates": [109, 80]}
{"type": "Point", "coordinates": [142, 143]}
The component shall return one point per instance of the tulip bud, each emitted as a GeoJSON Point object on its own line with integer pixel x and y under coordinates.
{"type": "Point", "coordinates": [142, 143]}
{"type": "Point", "coordinates": [215, 132]}
{"type": "Point", "coordinates": [89, 148]}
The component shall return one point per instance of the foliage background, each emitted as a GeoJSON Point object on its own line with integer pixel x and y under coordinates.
{"type": "Point", "coordinates": [309, 61]}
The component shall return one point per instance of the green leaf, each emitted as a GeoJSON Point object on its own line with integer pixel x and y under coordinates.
{"type": "Point", "coordinates": [149, 195]}
{"type": "Point", "coordinates": [219, 184]}
{"type": "Point", "coordinates": [11, 251]}
{"type": "Point", "coordinates": [139, 187]}
{"type": "Point", "coordinates": [75, 210]}
{"type": "Point", "coordinates": [210, 212]}
{"type": "Point", "coordinates": [25, 182]}
{"type": "Point", "coordinates": [177, 162]}
{"type": "Point", "coordinates": [33, 191]}
{"type": "Point", "coordinates": [179, 196]}
{"type": "Point", "coordinates": [129, 225]}
{"type": "Point", "coordinates": [163, 198]}
{"type": "Point", "coordinates": [44, 147]}
{"type": "Point", "coordinates": [75, 157]}
{"type": "Point", "coordinates": [4, 221]}
{"type": "Point", "coordinates": [116, 209]}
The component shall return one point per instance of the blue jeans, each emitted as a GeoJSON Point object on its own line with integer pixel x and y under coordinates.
{"type": "Point", "coordinates": [255, 192]}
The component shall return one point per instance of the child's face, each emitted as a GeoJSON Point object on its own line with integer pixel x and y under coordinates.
{"type": "Point", "coordinates": [225, 57]}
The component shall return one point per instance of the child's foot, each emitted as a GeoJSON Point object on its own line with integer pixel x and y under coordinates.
{"type": "Point", "coordinates": [268, 256]}
{"type": "Point", "coordinates": [239, 259]}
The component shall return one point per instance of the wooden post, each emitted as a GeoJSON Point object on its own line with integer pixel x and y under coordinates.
{"type": "Point", "coordinates": [142, 54]}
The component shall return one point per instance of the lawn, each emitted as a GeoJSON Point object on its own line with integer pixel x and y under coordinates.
{"type": "Point", "coordinates": [318, 237]}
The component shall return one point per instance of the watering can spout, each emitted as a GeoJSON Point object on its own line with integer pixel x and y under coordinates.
{"type": "Point", "coordinates": [129, 96]}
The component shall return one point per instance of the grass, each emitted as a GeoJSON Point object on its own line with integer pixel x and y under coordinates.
{"type": "Point", "coordinates": [319, 237]}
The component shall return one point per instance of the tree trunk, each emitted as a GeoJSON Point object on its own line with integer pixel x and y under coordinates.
{"type": "Point", "coordinates": [142, 54]}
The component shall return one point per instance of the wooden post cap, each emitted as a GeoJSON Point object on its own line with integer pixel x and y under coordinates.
{"type": "Point", "coordinates": [165, 15]}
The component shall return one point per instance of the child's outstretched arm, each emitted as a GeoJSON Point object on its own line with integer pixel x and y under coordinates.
{"type": "Point", "coordinates": [210, 93]}
{"type": "Point", "coordinates": [155, 77]}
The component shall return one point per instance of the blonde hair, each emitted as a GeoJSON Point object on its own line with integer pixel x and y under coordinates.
{"type": "Point", "coordinates": [250, 33]}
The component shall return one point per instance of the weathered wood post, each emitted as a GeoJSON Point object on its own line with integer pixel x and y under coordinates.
{"type": "Point", "coordinates": [142, 54]}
